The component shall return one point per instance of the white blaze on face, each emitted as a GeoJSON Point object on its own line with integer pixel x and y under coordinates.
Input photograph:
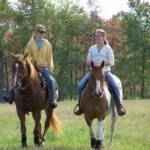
{"type": "Point", "coordinates": [98, 87]}
{"type": "Point", "coordinates": [15, 76]}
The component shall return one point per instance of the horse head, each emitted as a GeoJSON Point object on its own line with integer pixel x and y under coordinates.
{"type": "Point", "coordinates": [97, 78]}
{"type": "Point", "coordinates": [20, 69]}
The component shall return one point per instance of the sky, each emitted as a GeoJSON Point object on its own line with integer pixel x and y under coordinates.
{"type": "Point", "coordinates": [106, 9]}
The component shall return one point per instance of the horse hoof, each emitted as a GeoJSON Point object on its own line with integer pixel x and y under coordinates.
{"type": "Point", "coordinates": [24, 145]}
{"type": "Point", "coordinates": [42, 143]}
{"type": "Point", "coordinates": [103, 144]}
{"type": "Point", "coordinates": [43, 139]}
{"type": "Point", "coordinates": [38, 145]}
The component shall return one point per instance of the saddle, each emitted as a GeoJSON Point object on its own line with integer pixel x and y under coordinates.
{"type": "Point", "coordinates": [43, 83]}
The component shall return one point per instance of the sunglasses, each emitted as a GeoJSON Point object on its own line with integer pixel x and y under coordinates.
{"type": "Point", "coordinates": [98, 35]}
{"type": "Point", "coordinates": [42, 32]}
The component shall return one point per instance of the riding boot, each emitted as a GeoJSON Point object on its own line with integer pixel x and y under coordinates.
{"type": "Point", "coordinates": [9, 96]}
{"type": "Point", "coordinates": [120, 108]}
{"type": "Point", "coordinates": [51, 103]}
{"type": "Point", "coordinates": [77, 110]}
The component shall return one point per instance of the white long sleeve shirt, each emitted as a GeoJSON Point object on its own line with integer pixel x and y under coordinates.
{"type": "Point", "coordinates": [105, 53]}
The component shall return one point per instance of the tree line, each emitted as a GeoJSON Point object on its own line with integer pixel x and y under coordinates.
{"type": "Point", "coordinates": [71, 32]}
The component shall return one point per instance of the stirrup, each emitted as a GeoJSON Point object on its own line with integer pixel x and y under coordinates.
{"type": "Point", "coordinates": [51, 104]}
{"type": "Point", "coordinates": [121, 110]}
{"type": "Point", "coordinates": [7, 98]}
{"type": "Point", "coordinates": [77, 110]}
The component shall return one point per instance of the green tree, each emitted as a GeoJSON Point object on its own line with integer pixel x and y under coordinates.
{"type": "Point", "coordinates": [137, 29]}
{"type": "Point", "coordinates": [6, 17]}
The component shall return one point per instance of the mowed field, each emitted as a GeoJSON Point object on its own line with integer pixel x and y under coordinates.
{"type": "Point", "coordinates": [132, 133]}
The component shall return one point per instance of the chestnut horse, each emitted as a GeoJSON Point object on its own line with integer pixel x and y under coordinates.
{"type": "Point", "coordinates": [31, 97]}
{"type": "Point", "coordinates": [95, 104]}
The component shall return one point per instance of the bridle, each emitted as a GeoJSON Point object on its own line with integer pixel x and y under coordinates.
{"type": "Point", "coordinates": [17, 75]}
{"type": "Point", "coordinates": [99, 91]}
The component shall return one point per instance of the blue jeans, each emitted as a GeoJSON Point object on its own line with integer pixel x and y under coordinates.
{"type": "Point", "coordinates": [82, 83]}
{"type": "Point", "coordinates": [108, 78]}
{"type": "Point", "coordinates": [49, 79]}
{"type": "Point", "coordinates": [112, 83]}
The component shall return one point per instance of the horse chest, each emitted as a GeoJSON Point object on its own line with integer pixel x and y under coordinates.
{"type": "Point", "coordinates": [32, 99]}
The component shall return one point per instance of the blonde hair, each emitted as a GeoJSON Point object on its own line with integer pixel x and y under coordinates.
{"type": "Point", "coordinates": [103, 33]}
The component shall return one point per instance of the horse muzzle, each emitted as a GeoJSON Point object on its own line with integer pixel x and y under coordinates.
{"type": "Point", "coordinates": [98, 94]}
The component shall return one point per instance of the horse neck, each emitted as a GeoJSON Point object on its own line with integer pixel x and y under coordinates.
{"type": "Point", "coordinates": [34, 83]}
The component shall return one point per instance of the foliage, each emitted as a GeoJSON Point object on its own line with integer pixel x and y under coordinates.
{"type": "Point", "coordinates": [71, 31]}
{"type": "Point", "coordinates": [137, 29]}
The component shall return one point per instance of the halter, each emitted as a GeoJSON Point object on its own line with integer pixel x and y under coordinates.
{"type": "Point", "coordinates": [16, 75]}
{"type": "Point", "coordinates": [99, 91]}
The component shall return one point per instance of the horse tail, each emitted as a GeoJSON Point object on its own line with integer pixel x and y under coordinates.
{"type": "Point", "coordinates": [56, 124]}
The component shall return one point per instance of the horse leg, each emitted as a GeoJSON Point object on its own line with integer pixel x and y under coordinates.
{"type": "Point", "coordinates": [37, 118]}
{"type": "Point", "coordinates": [113, 122]}
{"type": "Point", "coordinates": [100, 134]}
{"type": "Point", "coordinates": [21, 116]}
{"type": "Point", "coordinates": [103, 136]}
{"type": "Point", "coordinates": [40, 131]}
{"type": "Point", "coordinates": [47, 122]}
{"type": "Point", "coordinates": [93, 139]}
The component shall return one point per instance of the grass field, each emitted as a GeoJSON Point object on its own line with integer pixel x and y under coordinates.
{"type": "Point", "coordinates": [133, 130]}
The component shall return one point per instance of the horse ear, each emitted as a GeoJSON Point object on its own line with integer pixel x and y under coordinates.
{"type": "Point", "coordinates": [25, 55]}
{"type": "Point", "coordinates": [13, 55]}
{"type": "Point", "coordinates": [103, 63]}
{"type": "Point", "coordinates": [92, 64]}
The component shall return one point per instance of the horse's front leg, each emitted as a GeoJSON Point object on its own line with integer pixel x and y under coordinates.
{"type": "Point", "coordinates": [21, 116]}
{"type": "Point", "coordinates": [37, 127]}
{"type": "Point", "coordinates": [93, 139]}
{"type": "Point", "coordinates": [100, 134]}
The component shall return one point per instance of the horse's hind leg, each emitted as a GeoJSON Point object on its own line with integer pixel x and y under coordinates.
{"type": "Point", "coordinates": [37, 118]}
{"type": "Point", "coordinates": [47, 122]}
{"type": "Point", "coordinates": [21, 116]}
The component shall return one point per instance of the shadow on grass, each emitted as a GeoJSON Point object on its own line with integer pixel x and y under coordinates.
{"type": "Point", "coordinates": [42, 148]}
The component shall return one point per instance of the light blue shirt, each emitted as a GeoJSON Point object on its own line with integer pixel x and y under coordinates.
{"type": "Point", "coordinates": [39, 43]}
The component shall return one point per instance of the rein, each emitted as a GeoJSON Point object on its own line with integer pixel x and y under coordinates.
{"type": "Point", "coordinates": [23, 88]}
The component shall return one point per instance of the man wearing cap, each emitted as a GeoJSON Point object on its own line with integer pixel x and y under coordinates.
{"type": "Point", "coordinates": [39, 50]}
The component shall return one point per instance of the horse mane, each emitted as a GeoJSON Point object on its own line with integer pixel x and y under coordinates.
{"type": "Point", "coordinates": [33, 72]}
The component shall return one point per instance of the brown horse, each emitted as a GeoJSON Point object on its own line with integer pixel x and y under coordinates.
{"type": "Point", "coordinates": [31, 97]}
{"type": "Point", "coordinates": [95, 102]}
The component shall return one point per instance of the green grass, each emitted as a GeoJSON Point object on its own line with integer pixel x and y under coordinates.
{"type": "Point", "coordinates": [133, 130]}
